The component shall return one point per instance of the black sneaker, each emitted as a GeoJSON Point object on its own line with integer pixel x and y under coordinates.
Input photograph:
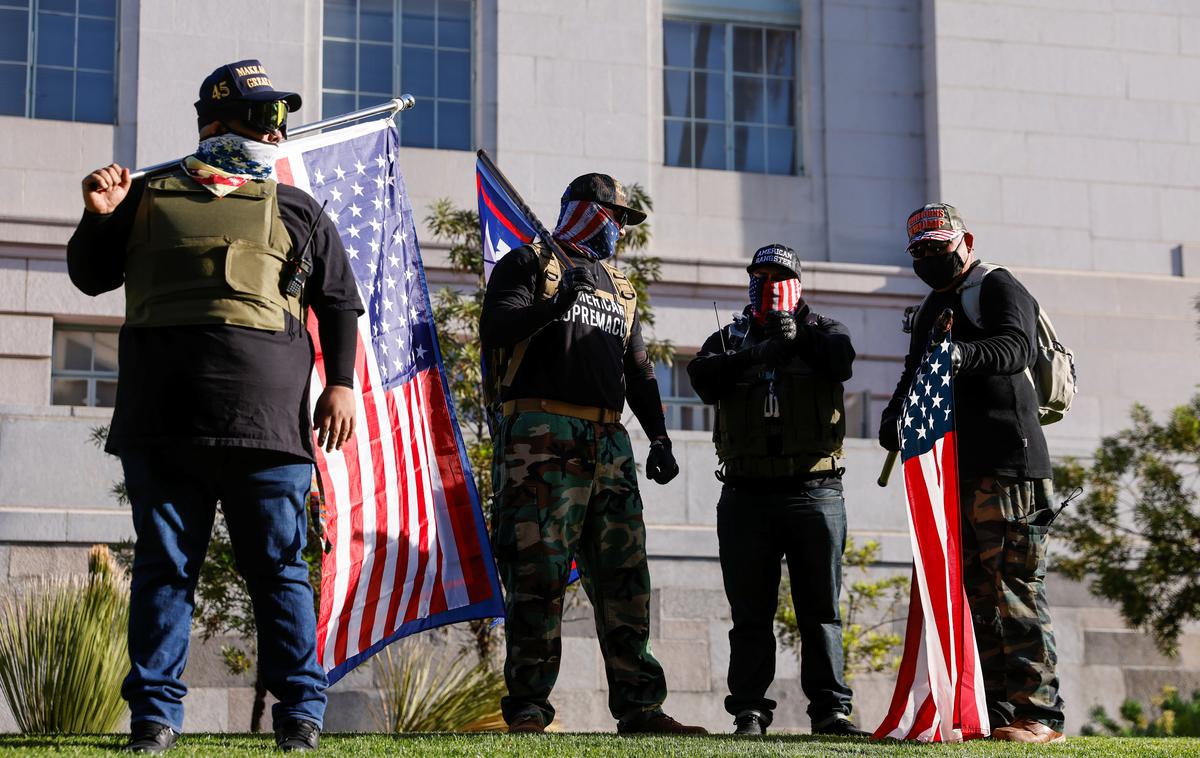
{"type": "Point", "coordinates": [297, 734]}
{"type": "Point", "coordinates": [839, 726]}
{"type": "Point", "coordinates": [150, 737]}
{"type": "Point", "coordinates": [752, 723]}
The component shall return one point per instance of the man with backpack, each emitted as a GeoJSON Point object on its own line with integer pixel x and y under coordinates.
{"type": "Point", "coordinates": [560, 326]}
{"type": "Point", "coordinates": [1004, 467]}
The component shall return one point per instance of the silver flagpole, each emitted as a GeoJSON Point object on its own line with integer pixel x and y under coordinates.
{"type": "Point", "coordinates": [393, 106]}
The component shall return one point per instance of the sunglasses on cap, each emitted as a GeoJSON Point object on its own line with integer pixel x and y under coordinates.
{"type": "Point", "coordinates": [269, 115]}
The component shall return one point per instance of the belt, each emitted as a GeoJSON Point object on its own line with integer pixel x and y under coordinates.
{"type": "Point", "coordinates": [561, 408]}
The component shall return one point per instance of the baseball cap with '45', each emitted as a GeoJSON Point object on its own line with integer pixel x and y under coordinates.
{"type": "Point", "coordinates": [935, 221]}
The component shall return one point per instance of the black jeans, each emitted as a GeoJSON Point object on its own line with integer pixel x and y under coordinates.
{"type": "Point", "coordinates": [756, 531]}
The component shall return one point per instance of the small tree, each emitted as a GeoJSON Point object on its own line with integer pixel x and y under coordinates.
{"type": "Point", "coordinates": [456, 312]}
{"type": "Point", "coordinates": [1136, 530]}
{"type": "Point", "coordinates": [869, 610]}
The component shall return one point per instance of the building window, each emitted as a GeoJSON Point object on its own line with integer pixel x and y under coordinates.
{"type": "Point", "coordinates": [58, 59]}
{"type": "Point", "coordinates": [374, 50]}
{"type": "Point", "coordinates": [729, 96]}
{"type": "Point", "coordinates": [84, 369]}
{"type": "Point", "coordinates": [685, 410]}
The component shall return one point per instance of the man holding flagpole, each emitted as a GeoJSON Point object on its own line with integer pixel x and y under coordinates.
{"type": "Point", "coordinates": [566, 484]}
{"type": "Point", "coordinates": [1003, 466]}
{"type": "Point", "coordinates": [220, 265]}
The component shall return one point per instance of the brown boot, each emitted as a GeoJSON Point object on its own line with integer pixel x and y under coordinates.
{"type": "Point", "coordinates": [1028, 730]}
{"type": "Point", "coordinates": [656, 722]}
{"type": "Point", "coordinates": [527, 724]}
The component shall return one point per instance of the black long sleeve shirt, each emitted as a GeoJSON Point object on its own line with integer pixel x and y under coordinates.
{"type": "Point", "coordinates": [580, 357]}
{"type": "Point", "coordinates": [222, 385]}
{"type": "Point", "coordinates": [995, 403]}
{"type": "Point", "coordinates": [823, 343]}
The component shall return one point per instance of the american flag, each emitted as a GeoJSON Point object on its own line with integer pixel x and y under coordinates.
{"type": "Point", "coordinates": [939, 693]}
{"type": "Point", "coordinates": [781, 295]}
{"type": "Point", "coordinates": [409, 545]}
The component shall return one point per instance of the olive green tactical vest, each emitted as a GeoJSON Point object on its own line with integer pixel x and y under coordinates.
{"type": "Point", "coordinates": [781, 422]}
{"type": "Point", "coordinates": [195, 258]}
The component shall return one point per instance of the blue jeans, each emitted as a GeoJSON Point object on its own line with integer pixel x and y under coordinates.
{"type": "Point", "coordinates": [173, 492]}
{"type": "Point", "coordinates": [756, 530]}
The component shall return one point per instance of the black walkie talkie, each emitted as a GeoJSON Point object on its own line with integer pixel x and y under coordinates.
{"type": "Point", "coordinates": [299, 266]}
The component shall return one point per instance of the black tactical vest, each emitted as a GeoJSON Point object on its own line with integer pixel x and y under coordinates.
{"type": "Point", "coordinates": [779, 422]}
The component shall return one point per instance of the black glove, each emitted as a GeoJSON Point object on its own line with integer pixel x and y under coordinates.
{"type": "Point", "coordinates": [780, 325]}
{"type": "Point", "coordinates": [889, 433]}
{"type": "Point", "coordinates": [956, 359]}
{"type": "Point", "coordinates": [772, 352]}
{"type": "Point", "coordinates": [574, 281]}
{"type": "Point", "coordinates": [660, 464]}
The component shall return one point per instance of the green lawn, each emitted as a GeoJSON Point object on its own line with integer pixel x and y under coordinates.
{"type": "Point", "coordinates": [602, 746]}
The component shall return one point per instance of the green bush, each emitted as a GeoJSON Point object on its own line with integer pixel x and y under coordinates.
{"type": "Point", "coordinates": [62, 651]}
{"type": "Point", "coordinates": [421, 691]}
{"type": "Point", "coordinates": [1176, 718]}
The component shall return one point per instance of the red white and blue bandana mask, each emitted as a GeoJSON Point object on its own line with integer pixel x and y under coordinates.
{"type": "Point", "coordinates": [588, 227]}
{"type": "Point", "coordinates": [768, 295]}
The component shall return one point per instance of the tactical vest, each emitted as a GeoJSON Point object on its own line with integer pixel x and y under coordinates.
{"type": "Point", "coordinates": [501, 365]}
{"type": "Point", "coordinates": [195, 258]}
{"type": "Point", "coordinates": [778, 422]}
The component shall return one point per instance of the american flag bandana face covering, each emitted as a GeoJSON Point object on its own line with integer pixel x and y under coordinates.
{"type": "Point", "coordinates": [767, 296]}
{"type": "Point", "coordinates": [589, 227]}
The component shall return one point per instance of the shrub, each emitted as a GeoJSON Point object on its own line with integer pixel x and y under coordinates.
{"type": "Point", "coordinates": [62, 651]}
{"type": "Point", "coordinates": [1176, 718]}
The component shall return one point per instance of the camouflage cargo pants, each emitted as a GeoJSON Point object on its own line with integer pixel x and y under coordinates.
{"type": "Point", "coordinates": [567, 488]}
{"type": "Point", "coordinates": [1005, 529]}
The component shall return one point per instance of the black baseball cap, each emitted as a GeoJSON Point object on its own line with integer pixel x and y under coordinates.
{"type": "Point", "coordinates": [935, 221]}
{"type": "Point", "coordinates": [603, 189]}
{"type": "Point", "coordinates": [241, 82]}
{"type": "Point", "coordinates": [775, 254]}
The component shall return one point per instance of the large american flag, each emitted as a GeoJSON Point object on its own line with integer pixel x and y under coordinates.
{"type": "Point", "coordinates": [409, 548]}
{"type": "Point", "coordinates": [939, 693]}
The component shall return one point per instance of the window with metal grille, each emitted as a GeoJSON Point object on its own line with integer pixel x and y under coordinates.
{"type": "Point", "coordinates": [58, 59]}
{"type": "Point", "coordinates": [84, 366]}
{"type": "Point", "coordinates": [374, 50]}
{"type": "Point", "coordinates": [729, 96]}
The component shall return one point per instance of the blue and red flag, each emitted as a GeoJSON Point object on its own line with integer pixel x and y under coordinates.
{"type": "Point", "coordinates": [409, 549]}
{"type": "Point", "coordinates": [939, 694]}
{"type": "Point", "coordinates": [502, 223]}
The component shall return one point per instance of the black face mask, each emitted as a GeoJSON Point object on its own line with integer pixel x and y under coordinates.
{"type": "Point", "coordinates": [939, 271]}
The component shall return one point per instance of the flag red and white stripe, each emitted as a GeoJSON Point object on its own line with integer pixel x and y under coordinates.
{"type": "Point", "coordinates": [408, 549]}
{"type": "Point", "coordinates": [939, 694]}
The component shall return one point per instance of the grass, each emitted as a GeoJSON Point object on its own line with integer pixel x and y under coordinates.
{"type": "Point", "coordinates": [601, 746]}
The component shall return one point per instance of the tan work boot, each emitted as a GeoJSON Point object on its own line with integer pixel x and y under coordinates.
{"type": "Point", "coordinates": [1028, 730]}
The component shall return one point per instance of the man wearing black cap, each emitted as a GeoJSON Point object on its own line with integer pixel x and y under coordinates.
{"type": "Point", "coordinates": [212, 398]}
{"type": "Point", "coordinates": [775, 375]}
{"type": "Point", "coordinates": [1004, 468]}
{"type": "Point", "coordinates": [567, 349]}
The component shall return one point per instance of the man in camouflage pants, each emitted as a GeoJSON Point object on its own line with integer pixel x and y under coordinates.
{"type": "Point", "coordinates": [1004, 471]}
{"type": "Point", "coordinates": [563, 328]}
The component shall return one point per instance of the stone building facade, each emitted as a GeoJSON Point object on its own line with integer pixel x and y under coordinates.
{"type": "Point", "coordinates": [1066, 131]}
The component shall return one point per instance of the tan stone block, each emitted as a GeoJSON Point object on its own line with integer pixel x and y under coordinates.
{"type": "Point", "coordinates": [26, 336]}
{"type": "Point", "coordinates": [686, 664]}
{"type": "Point", "coordinates": [47, 561]}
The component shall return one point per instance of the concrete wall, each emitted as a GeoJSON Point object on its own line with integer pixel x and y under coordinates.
{"type": "Point", "coordinates": [1067, 130]}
